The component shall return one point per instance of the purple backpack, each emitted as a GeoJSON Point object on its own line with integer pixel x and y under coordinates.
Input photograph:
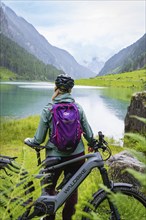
{"type": "Point", "coordinates": [67, 130]}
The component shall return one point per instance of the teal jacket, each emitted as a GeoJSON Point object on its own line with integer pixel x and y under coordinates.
{"type": "Point", "coordinates": [45, 126]}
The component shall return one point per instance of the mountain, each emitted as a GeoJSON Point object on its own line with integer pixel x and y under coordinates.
{"type": "Point", "coordinates": [25, 65]}
{"type": "Point", "coordinates": [94, 65]}
{"type": "Point", "coordinates": [131, 58]}
{"type": "Point", "coordinates": [25, 35]}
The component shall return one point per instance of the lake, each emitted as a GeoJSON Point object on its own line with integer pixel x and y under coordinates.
{"type": "Point", "coordinates": [105, 108]}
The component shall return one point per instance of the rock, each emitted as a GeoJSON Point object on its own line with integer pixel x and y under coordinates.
{"type": "Point", "coordinates": [121, 161]}
{"type": "Point", "coordinates": [137, 108]}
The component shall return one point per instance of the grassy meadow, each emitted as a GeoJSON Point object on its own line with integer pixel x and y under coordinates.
{"type": "Point", "coordinates": [126, 80]}
{"type": "Point", "coordinates": [6, 75]}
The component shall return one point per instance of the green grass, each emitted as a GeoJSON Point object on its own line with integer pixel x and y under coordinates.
{"type": "Point", "coordinates": [6, 74]}
{"type": "Point", "coordinates": [135, 79]}
{"type": "Point", "coordinates": [13, 132]}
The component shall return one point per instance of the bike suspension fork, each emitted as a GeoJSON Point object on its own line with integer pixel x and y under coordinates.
{"type": "Point", "coordinates": [105, 177]}
{"type": "Point", "coordinates": [106, 181]}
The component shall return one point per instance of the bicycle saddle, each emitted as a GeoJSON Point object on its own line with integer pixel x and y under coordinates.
{"type": "Point", "coordinates": [50, 161]}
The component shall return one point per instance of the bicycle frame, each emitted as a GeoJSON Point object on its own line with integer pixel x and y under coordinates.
{"type": "Point", "coordinates": [52, 203]}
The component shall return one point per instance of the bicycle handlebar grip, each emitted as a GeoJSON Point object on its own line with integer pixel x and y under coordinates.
{"type": "Point", "coordinates": [101, 136]}
{"type": "Point", "coordinates": [102, 142]}
{"type": "Point", "coordinates": [30, 144]}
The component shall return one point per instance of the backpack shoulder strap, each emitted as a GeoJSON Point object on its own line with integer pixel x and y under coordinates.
{"type": "Point", "coordinates": [50, 106]}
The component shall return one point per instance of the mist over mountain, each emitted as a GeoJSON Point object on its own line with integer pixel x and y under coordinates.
{"type": "Point", "coordinates": [94, 65]}
{"type": "Point", "coordinates": [26, 36]}
{"type": "Point", "coordinates": [131, 58]}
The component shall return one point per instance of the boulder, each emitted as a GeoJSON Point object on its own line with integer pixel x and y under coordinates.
{"type": "Point", "coordinates": [137, 108]}
{"type": "Point", "coordinates": [119, 163]}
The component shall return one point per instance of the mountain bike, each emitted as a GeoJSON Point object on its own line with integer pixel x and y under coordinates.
{"type": "Point", "coordinates": [101, 202]}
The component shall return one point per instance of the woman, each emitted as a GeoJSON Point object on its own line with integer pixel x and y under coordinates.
{"type": "Point", "coordinates": [62, 94]}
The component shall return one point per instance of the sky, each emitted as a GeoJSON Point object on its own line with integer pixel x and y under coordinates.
{"type": "Point", "coordinates": [86, 29]}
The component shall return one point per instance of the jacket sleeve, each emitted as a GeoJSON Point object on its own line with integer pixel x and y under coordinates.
{"type": "Point", "coordinates": [43, 126]}
{"type": "Point", "coordinates": [87, 131]}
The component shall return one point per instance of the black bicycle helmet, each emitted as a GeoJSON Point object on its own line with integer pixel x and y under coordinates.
{"type": "Point", "coordinates": [64, 82]}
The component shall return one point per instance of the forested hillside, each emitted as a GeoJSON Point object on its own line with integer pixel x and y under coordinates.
{"type": "Point", "coordinates": [27, 66]}
{"type": "Point", "coordinates": [128, 59]}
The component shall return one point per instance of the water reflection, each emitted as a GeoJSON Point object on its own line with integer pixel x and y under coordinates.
{"type": "Point", "coordinates": [102, 114]}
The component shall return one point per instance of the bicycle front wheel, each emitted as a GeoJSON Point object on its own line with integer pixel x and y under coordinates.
{"type": "Point", "coordinates": [129, 202]}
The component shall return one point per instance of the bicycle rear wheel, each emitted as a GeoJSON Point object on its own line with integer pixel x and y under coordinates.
{"type": "Point", "coordinates": [130, 204]}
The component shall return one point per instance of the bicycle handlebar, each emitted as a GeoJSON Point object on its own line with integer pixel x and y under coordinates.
{"type": "Point", "coordinates": [101, 138]}
{"type": "Point", "coordinates": [102, 144]}
{"type": "Point", "coordinates": [99, 144]}
{"type": "Point", "coordinates": [34, 146]}
{"type": "Point", "coordinates": [6, 160]}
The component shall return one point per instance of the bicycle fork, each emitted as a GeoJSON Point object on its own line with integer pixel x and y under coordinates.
{"type": "Point", "coordinates": [115, 214]}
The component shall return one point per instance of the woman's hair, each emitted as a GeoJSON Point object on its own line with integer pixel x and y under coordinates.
{"type": "Point", "coordinates": [58, 91]}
